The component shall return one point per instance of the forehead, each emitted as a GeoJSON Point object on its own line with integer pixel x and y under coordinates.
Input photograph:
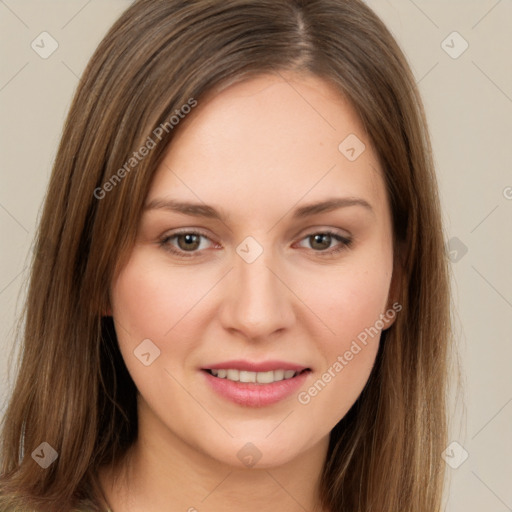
{"type": "Point", "coordinates": [273, 139]}
{"type": "Point", "coordinates": [300, 107]}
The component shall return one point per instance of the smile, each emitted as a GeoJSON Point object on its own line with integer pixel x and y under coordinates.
{"type": "Point", "coordinates": [255, 389]}
{"type": "Point", "coordinates": [255, 377]}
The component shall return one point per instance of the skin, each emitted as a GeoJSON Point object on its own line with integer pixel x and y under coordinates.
{"type": "Point", "coordinates": [256, 151]}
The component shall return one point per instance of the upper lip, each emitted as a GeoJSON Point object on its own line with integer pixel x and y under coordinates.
{"type": "Point", "coordinates": [250, 366]}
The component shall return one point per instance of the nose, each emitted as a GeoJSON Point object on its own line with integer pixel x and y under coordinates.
{"type": "Point", "coordinates": [258, 301]}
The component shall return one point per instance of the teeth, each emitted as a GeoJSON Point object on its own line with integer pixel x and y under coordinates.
{"type": "Point", "coordinates": [265, 377]}
{"type": "Point", "coordinates": [254, 377]}
{"type": "Point", "coordinates": [233, 375]}
{"type": "Point", "coordinates": [278, 374]}
{"type": "Point", "coordinates": [246, 376]}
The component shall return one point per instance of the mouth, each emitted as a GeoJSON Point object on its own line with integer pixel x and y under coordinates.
{"type": "Point", "coordinates": [253, 377]}
{"type": "Point", "coordinates": [250, 388]}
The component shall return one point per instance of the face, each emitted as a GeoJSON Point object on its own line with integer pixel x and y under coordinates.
{"type": "Point", "coordinates": [253, 277]}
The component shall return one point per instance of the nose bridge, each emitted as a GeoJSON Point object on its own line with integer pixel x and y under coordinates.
{"type": "Point", "coordinates": [258, 303]}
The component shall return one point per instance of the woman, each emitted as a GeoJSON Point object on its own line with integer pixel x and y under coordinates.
{"type": "Point", "coordinates": [240, 293]}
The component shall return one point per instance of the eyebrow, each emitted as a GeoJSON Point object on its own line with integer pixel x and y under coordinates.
{"type": "Point", "coordinates": [203, 210]}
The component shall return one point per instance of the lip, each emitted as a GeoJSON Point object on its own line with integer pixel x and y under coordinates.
{"type": "Point", "coordinates": [249, 366]}
{"type": "Point", "coordinates": [255, 395]}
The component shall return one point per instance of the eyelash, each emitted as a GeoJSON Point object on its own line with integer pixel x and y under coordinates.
{"type": "Point", "coordinates": [345, 243]}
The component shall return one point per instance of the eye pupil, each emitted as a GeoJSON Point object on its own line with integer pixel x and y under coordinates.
{"type": "Point", "coordinates": [191, 241]}
{"type": "Point", "coordinates": [323, 239]}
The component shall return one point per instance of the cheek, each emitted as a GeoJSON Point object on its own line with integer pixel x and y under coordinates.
{"type": "Point", "coordinates": [348, 301]}
{"type": "Point", "coordinates": [145, 306]}
{"type": "Point", "coordinates": [167, 305]}
{"type": "Point", "coordinates": [150, 300]}
{"type": "Point", "coordinates": [350, 305]}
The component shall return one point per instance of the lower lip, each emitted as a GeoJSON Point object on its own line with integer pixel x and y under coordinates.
{"type": "Point", "coordinates": [256, 395]}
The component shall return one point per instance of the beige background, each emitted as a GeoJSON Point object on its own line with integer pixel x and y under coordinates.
{"type": "Point", "coordinates": [469, 106]}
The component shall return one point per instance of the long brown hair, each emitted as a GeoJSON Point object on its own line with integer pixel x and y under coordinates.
{"type": "Point", "coordinates": [73, 390]}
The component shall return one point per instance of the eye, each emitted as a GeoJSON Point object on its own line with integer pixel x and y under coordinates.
{"type": "Point", "coordinates": [321, 242]}
{"type": "Point", "coordinates": [190, 243]}
{"type": "Point", "coordinates": [186, 242]}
